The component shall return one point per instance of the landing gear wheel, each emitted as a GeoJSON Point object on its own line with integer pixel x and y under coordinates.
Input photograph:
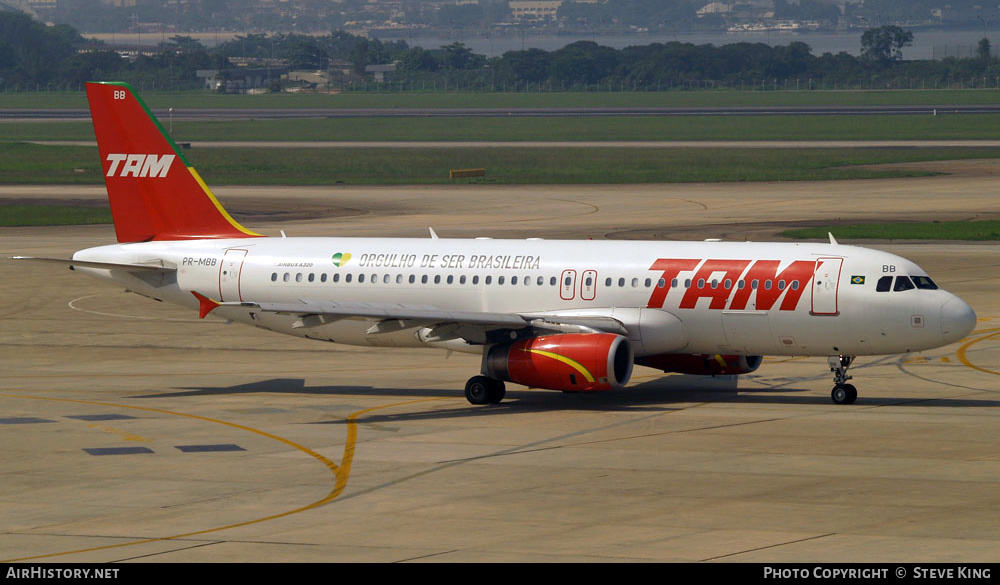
{"type": "Point", "coordinates": [844, 394]}
{"type": "Point", "coordinates": [497, 391]}
{"type": "Point", "coordinates": [483, 390]}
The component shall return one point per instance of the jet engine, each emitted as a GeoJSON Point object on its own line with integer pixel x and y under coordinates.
{"type": "Point", "coordinates": [702, 364]}
{"type": "Point", "coordinates": [569, 362]}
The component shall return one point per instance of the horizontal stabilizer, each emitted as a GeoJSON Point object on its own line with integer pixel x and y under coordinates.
{"type": "Point", "coordinates": [105, 265]}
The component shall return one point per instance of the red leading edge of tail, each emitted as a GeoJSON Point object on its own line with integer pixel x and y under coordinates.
{"type": "Point", "coordinates": [154, 192]}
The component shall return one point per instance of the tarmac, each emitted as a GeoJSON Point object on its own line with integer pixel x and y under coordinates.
{"type": "Point", "coordinates": [135, 431]}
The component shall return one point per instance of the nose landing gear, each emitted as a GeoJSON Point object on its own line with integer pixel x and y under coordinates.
{"type": "Point", "coordinates": [843, 393]}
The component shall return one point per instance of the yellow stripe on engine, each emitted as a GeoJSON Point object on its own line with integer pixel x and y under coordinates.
{"type": "Point", "coordinates": [569, 362]}
{"type": "Point", "coordinates": [222, 210]}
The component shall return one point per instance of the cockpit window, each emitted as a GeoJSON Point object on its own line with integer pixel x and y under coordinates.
{"type": "Point", "coordinates": [903, 283]}
{"type": "Point", "coordinates": [924, 283]}
{"type": "Point", "coordinates": [884, 284]}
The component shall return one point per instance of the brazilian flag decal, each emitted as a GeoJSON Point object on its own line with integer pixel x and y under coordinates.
{"type": "Point", "coordinates": [857, 280]}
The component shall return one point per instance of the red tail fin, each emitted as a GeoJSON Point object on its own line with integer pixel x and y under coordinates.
{"type": "Point", "coordinates": [154, 192]}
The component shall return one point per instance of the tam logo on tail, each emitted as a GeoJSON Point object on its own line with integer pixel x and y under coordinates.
{"type": "Point", "coordinates": [139, 165]}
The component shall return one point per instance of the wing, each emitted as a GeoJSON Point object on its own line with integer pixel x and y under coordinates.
{"type": "Point", "coordinates": [476, 327]}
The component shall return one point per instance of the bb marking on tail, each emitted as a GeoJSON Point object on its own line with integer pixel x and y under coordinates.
{"type": "Point", "coordinates": [151, 198]}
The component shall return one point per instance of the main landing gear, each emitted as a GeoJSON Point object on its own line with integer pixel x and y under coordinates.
{"type": "Point", "coordinates": [843, 393]}
{"type": "Point", "coordinates": [483, 390]}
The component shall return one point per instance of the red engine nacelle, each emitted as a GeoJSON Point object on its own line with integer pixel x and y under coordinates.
{"type": "Point", "coordinates": [702, 364]}
{"type": "Point", "coordinates": [571, 361]}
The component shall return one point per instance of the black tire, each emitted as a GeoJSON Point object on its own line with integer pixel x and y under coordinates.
{"type": "Point", "coordinates": [478, 390]}
{"type": "Point", "coordinates": [852, 393]}
{"type": "Point", "coordinates": [844, 394]}
{"type": "Point", "coordinates": [497, 391]}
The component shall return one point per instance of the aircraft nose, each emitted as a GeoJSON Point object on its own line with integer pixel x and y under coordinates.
{"type": "Point", "coordinates": [957, 319]}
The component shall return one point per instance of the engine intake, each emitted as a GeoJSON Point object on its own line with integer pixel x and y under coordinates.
{"type": "Point", "coordinates": [571, 361]}
{"type": "Point", "coordinates": [703, 364]}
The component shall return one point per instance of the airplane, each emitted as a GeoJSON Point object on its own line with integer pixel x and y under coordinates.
{"type": "Point", "coordinates": [572, 316]}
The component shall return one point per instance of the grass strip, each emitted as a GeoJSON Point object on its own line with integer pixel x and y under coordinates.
{"type": "Point", "coordinates": [39, 215]}
{"type": "Point", "coordinates": [936, 230]}
{"type": "Point", "coordinates": [598, 128]}
{"type": "Point", "coordinates": [31, 163]}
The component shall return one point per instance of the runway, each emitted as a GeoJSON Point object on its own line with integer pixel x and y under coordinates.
{"type": "Point", "coordinates": [136, 432]}
{"type": "Point", "coordinates": [189, 114]}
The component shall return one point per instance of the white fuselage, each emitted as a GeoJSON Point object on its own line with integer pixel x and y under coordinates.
{"type": "Point", "coordinates": [673, 297]}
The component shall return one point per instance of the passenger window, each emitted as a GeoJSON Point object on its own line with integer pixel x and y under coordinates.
{"type": "Point", "coordinates": [607, 282]}
{"type": "Point", "coordinates": [322, 277]}
{"type": "Point", "coordinates": [475, 279]}
{"type": "Point", "coordinates": [883, 284]}
{"type": "Point", "coordinates": [513, 280]}
{"type": "Point", "coordinates": [437, 279]}
{"type": "Point", "coordinates": [312, 277]}
{"type": "Point", "coordinates": [903, 283]}
{"type": "Point", "coordinates": [413, 278]}
{"type": "Point", "coordinates": [423, 279]}
{"type": "Point", "coordinates": [336, 277]}
{"type": "Point", "coordinates": [489, 279]}
{"type": "Point", "coordinates": [348, 277]}
{"type": "Point", "coordinates": [274, 277]}
{"type": "Point", "coordinates": [361, 278]}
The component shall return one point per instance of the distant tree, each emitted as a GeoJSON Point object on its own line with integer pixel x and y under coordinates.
{"type": "Point", "coordinates": [883, 45]}
{"type": "Point", "coordinates": [983, 49]}
{"type": "Point", "coordinates": [182, 43]}
{"type": "Point", "coordinates": [458, 56]}
{"type": "Point", "coordinates": [528, 65]}
{"type": "Point", "coordinates": [418, 59]}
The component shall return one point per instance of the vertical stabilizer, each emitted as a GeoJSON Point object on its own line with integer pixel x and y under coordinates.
{"type": "Point", "coordinates": [154, 192]}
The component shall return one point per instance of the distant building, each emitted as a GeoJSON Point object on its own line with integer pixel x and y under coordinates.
{"type": "Point", "coordinates": [380, 70]}
{"type": "Point", "coordinates": [714, 8]}
{"type": "Point", "coordinates": [522, 10]}
{"type": "Point", "coordinates": [239, 79]}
